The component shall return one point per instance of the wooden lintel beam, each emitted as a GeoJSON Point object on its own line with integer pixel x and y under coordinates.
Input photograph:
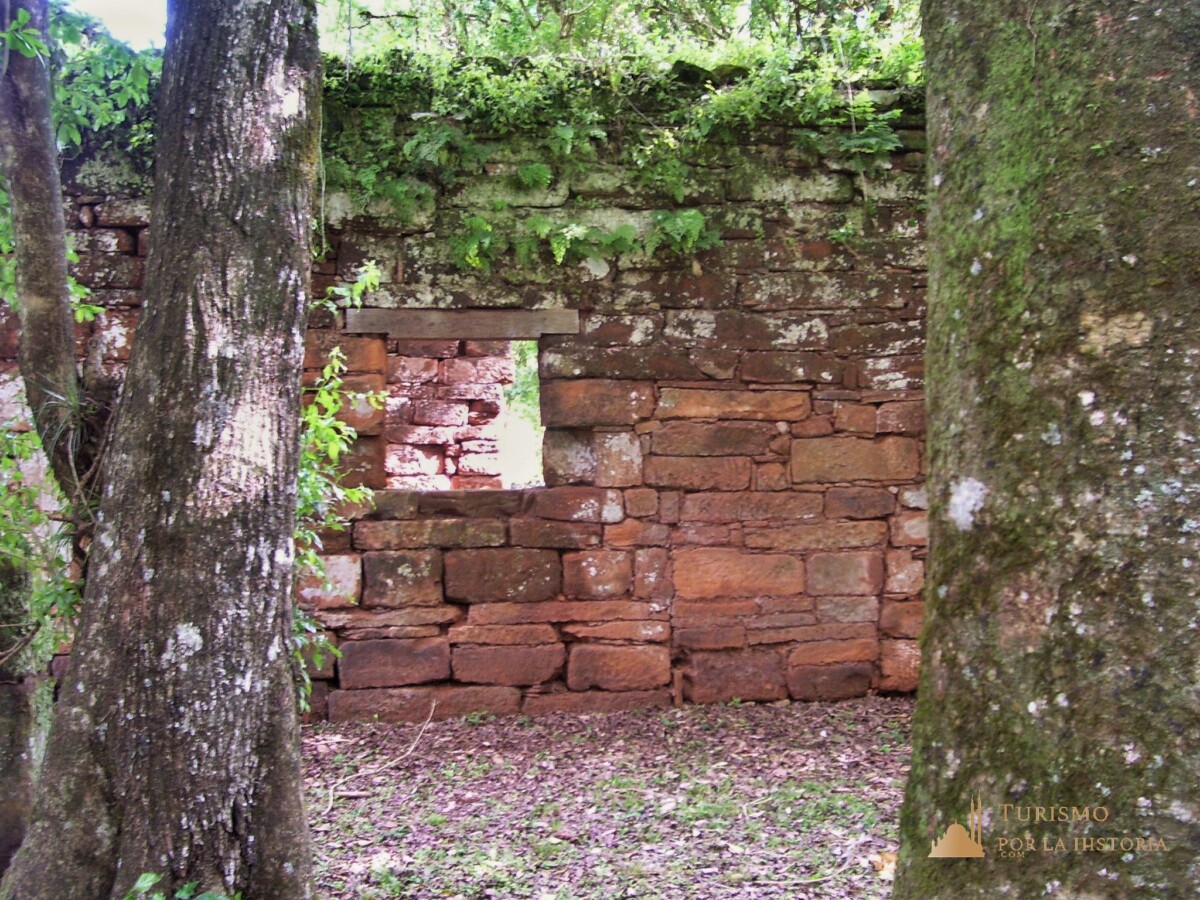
{"type": "Point", "coordinates": [463, 324]}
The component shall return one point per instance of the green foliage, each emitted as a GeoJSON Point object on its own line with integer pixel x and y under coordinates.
{"type": "Point", "coordinates": [147, 880]}
{"type": "Point", "coordinates": [20, 38]}
{"type": "Point", "coordinates": [322, 497]}
{"type": "Point", "coordinates": [534, 175]}
{"type": "Point", "coordinates": [682, 232]}
{"type": "Point", "coordinates": [102, 89]}
{"type": "Point", "coordinates": [477, 245]}
{"type": "Point", "coordinates": [34, 542]}
{"type": "Point", "coordinates": [522, 395]}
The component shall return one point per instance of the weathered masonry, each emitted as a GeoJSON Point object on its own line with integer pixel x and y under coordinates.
{"type": "Point", "coordinates": [733, 452]}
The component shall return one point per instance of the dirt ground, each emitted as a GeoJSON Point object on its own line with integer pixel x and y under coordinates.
{"type": "Point", "coordinates": [787, 800]}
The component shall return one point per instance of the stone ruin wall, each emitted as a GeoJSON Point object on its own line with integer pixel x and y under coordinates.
{"type": "Point", "coordinates": [733, 457]}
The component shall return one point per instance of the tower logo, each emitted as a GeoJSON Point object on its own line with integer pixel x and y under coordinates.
{"type": "Point", "coordinates": [962, 843]}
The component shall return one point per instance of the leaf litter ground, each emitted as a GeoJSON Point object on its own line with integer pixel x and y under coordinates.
{"type": "Point", "coordinates": [787, 800]}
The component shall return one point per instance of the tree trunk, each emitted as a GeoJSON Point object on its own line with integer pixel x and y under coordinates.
{"type": "Point", "coordinates": [1060, 657]}
{"type": "Point", "coordinates": [16, 714]}
{"type": "Point", "coordinates": [174, 746]}
{"type": "Point", "coordinates": [29, 161]}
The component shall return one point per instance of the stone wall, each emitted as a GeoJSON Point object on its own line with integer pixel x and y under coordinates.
{"type": "Point", "coordinates": [733, 455]}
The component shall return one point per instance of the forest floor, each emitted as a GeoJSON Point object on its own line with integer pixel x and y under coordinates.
{"type": "Point", "coordinates": [787, 800]}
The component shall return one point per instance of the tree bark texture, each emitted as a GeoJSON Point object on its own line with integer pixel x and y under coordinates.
{"type": "Point", "coordinates": [16, 713]}
{"type": "Point", "coordinates": [29, 161]}
{"type": "Point", "coordinates": [1061, 653]}
{"type": "Point", "coordinates": [174, 746]}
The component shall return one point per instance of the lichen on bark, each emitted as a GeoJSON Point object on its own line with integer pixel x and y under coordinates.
{"type": "Point", "coordinates": [174, 745]}
{"type": "Point", "coordinates": [1059, 656]}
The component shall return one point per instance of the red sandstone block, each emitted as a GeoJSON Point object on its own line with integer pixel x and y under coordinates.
{"type": "Point", "coordinates": [836, 574]}
{"type": "Point", "coordinates": [617, 668]}
{"type": "Point", "coordinates": [891, 373]}
{"type": "Point", "coordinates": [636, 533]}
{"type": "Point", "coordinates": [371, 664]}
{"type": "Point", "coordinates": [855, 418]}
{"type": "Point", "coordinates": [416, 533]}
{"type": "Point", "coordinates": [651, 580]}
{"type": "Point", "coordinates": [827, 536]}
{"type": "Point", "coordinates": [476, 482]}
{"type": "Point", "coordinates": [679, 287]}
{"type": "Point", "coordinates": [882, 338]}
{"type": "Point", "coordinates": [420, 482]}
{"type": "Point", "coordinates": [392, 631]}
{"type": "Point", "coordinates": [905, 575]}
{"type": "Point", "coordinates": [700, 614]}
{"type": "Point", "coordinates": [411, 370]}
{"type": "Point", "coordinates": [703, 535]}
{"type": "Point", "coordinates": [594, 701]}
{"type": "Point", "coordinates": [791, 368]}
{"type": "Point", "coordinates": [415, 704]}
{"type": "Point", "coordinates": [439, 412]}
{"type": "Point", "coordinates": [715, 677]}
{"type": "Point", "coordinates": [711, 637]}
{"type": "Point", "coordinates": [430, 349]}
{"type": "Point", "coordinates": [775, 406]}
{"type": "Point", "coordinates": [326, 668]}
{"type": "Point", "coordinates": [121, 213]}
{"type": "Point", "coordinates": [771, 477]}
{"type": "Point", "coordinates": [563, 611]}
{"type": "Point", "coordinates": [753, 506]}
{"type": "Point", "coordinates": [595, 401]}
{"type": "Point", "coordinates": [858, 503]}
{"type": "Point", "coordinates": [512, 665]}
{"type": "Point", "coordinates": [726, 572]}
{"type": "Point", "coordinates": [817, 426]}
{"type": "Point", "coordinates": [364, 464]}
{"type": "Point", "coordinates": [831, 682]}
{"type": "Point", "coordinates": [479, 370]}
{"type": "Point", "coordinates": [641, 502]}
{"type": "Point", "coordinates": [543, 533]}
{"type": "Point", "coordinates": [836, 632]}
{"type": "Point", "coordinates": [404, 459]}
{"type": "Point", "coordinates": [819, 653]}
{"type": "Point", "coordinates": [597, 574]}
{"type": "Point", "coordinates": [618, 459]}
{"type": "Point", "coordinates": [848, 609]}
{"type": "Point", "coordinates": [910, 529]}
{"type": "Point", "coordinates": [902, 619]}
{"type": "Point", "coordinates": [479, 464]}
{"type": "Point", "coordinates": [724, 473]}
{"type": "Point", "coordinates": [579, 504]}
{"type": "Point", "coordinates": [907, 417]}
{"type": "Point", "coordinates": [855, 459]}
{"type": "Point", "coordinates": [357, 411]}
{"type": "Point", "coordinates": [341, 586]}
{"type": "Point", "coordinates": [899, 665]}
{"type": "Point", "coordinates": [713, 439]}
{"type": "Point", "coordinates": [668, 506]}
{"type": "Point", "coordinates": [503, 634]}
{"type": "Point", "coordinates": [401, 579]}
{"type": "Point", "coordinates": [114, 329]}
{"type": "Point", "coordinates": [638, 632]}
{"type": "Point", "coordinates": [350, 622]}
{"type": "Point", "coordinates": [568, 457]}
{"type": "Point", "coordinates": [510, 574]}
{"type": "Point", "coordinates": [363, 354]}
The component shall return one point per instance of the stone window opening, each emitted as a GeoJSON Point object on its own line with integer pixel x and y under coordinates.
{"type": "Point", "coordinates": [463, 396]}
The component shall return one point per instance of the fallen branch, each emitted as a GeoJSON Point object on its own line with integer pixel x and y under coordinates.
{"type": "Point", "coordinates": [390, 764]}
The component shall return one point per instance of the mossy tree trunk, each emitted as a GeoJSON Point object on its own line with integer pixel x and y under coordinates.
{"type": "Point", "coordinates": [16, 713]}
{"type": "Point", "coordinates": [174, 746]}
{"type": "Point", "coordinates": [1061, 655]}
